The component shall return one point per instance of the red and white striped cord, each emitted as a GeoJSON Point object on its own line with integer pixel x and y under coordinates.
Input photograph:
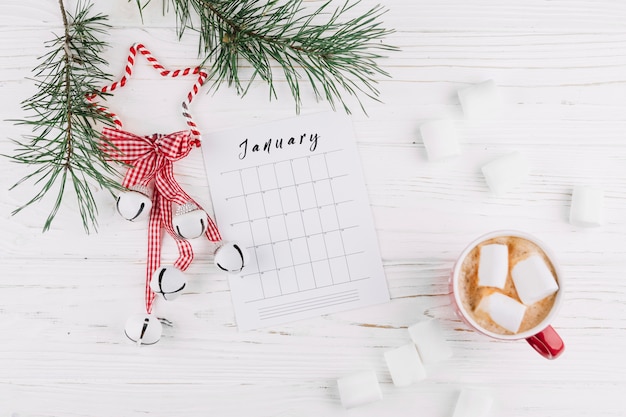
{"type": "Point", "coordinates": [128, 73]}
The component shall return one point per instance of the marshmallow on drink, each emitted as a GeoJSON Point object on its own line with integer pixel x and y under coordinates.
{"type": "Point", "coordinates": [359, 388]}
{"type": "Point", "coordinates": [533, 280]}
{"type": "Point", "coordinates": [587, 207]}
{"type": "Point", "coordinates": [493, 267]}
{"type": "Point", "coordinates": [440, 139]}
{"type": "Point", "coordinates": [506, 172]}
{"type": "Point", "coordinates": [481, 101]}
{"type": "Point", "coordinates": [473, 403]}
{"type": "Point", "coordinates": [430, 342]}
{"type": "Point", "coordinates": [505, 311]}
{"type": "Point", "coordinates": [405, 365]}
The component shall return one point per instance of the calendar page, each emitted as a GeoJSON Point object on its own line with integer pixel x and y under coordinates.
{"type": "Point", "coordinates": [292, 193]}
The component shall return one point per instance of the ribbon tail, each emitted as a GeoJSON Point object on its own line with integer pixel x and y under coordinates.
{"type": "Point", "coordinates": [212, 233]}
{"type": "Point", "coordinates": [185, 250]}
{"type": "Point", "coordinates": [179, 196]}
{"type": "Point", "coordinates": [169, 187]}
{"type": "Point", "coordinates": [154, 249]}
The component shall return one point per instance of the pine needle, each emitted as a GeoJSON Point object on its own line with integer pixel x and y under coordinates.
{"type": "Point", "coordinates": [335, 54]}
{"type": "Point", "coordinates": [64, 147]}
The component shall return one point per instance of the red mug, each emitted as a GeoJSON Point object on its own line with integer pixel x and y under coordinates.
{"type": "Point", "coordinates": [542, 337]}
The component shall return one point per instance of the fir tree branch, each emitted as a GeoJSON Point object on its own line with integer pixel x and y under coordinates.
{"type": "Point", "coordinates": [64, 147]}
{"type": "Point", "coordinates": [336, 57]}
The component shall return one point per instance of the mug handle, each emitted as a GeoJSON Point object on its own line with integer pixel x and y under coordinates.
{"type": "Point", "coordinates": [547, 342]}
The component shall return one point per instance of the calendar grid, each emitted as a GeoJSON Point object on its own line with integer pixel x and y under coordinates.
{"type": "Point", "coordinates": [310, 270]}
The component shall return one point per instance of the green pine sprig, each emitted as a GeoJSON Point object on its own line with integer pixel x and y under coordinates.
{"type": "Point", "coordinates": [336, 54]}
{"type": "Point", "coordinates": [64, 147]}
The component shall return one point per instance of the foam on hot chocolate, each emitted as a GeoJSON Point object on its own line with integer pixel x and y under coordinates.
{"type": "Point", "coordinates": [471, 293]}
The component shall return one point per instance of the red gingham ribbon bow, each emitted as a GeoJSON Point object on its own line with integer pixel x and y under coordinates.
{"type": "Point", "coordinates": [151, 158]}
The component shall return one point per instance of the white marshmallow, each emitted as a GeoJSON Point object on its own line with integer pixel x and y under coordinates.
{"type": "Point", "coordinates": [506, 172]}
{"type": "Point", "coordinates": [481, 101]}
{"type": "Point", "coordinates": [493, 267]}
{"type": "Point", "coordinates": [440, 139]}
{"type": "Point", "coordinates": [587, 207]}
{"type": "Point", "coordinates": [405, 365]}
{"type": "Point", "coordinates": [143, 329]}
{"type": "Point", "coordinates": [359, 388]}
{"type": "Point", "coordinates": [190, 225]}
{"type": "Point", "coordinates": [231, 257]}
{"type": "Point", "coordinates": [133, 205]}
{"type": "Point", "coordinates": [473, 403]}
{"type": "Point", "coordinates": [168, 281]}
{"type": "Point", "coordinates": [533, 280]}
{"type": "Point", "coordinates": [430, 341]}
{"type": "Point", "coordinates": [505, 311]}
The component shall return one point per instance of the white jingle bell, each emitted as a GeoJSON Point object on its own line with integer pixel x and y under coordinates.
{"type": "Point", "coordinates": [231, 257]}
{"type": "Point", "coordinates": [143, 329]}
{"type": "Point", "coordinates": [168, 281]}
{"type": "Point", "coordinates": [190, 222]}
{"type": "Point", "coordinates": [133, 205]}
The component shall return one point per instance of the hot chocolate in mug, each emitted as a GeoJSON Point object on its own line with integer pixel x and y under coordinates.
{"type": "Point", "coordinates": [509, 301]}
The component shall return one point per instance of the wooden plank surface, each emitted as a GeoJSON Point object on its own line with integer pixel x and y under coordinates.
{"type": "Point", "coordinates": [561, 68]}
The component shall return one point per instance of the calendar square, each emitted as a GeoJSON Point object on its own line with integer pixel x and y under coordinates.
{"type": "Point", "coordinates": [334, 244]}
{"type": "Point", "coordinates": [306, 196]}
{"type": "Point", "coordinates": [255, 206]}
{"type": "Point", "coordinates": [288, 280]}
{"type": "Point", "coordinates": [350, 239]}
{"type": "Point", "coordinates": [250, 181]}
{"type": "Point", "coordinates": [295, 227]}
{"type": "Point", "coordinates": [323, 193]}
{"type": "Point", "coordinates": [265, 258]}
{"type": "Point", "coordinates": [328, 218]}
{"type": "Point", "coordinates": [271, 284]}
{"type": "Point", "coordinates": [300, 251]}
{"type": "Point", "coordinates": [318, 168]}
{"type": "Point", "coordinates": [304, 275]}
{"type": "Point", "coordinates": [272, 203]}
{"type": "Point", "coordinates": [283, 255]}
{"type": "Point", "coordinates": [284, 173]}
{"type": "Point", "coordinates": [289, 200]}
{"type": "Point", "coordinates": [236, 185]}
{"type": "Point", "coordinates": [278, 228]}
{"type": "Point", "coordinates": [301, 170]}
{"type": "Point", "coordinates": [260, 232]}
{"type": "Point", "coordinates": [238, 210]}
{"type": "Point", "coordinates": [311, 220]}
{"type": "Point", "coordinates": [322, 273]}
{"type": "Point", "coordinates": [267, 177]}
{"type": "Point", "coordinates": [317, 247]}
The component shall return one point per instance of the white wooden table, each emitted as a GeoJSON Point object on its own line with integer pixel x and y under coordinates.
{"type": "Point", "coordinates": [561, 68]}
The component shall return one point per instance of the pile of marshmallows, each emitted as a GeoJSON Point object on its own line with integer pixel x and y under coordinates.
{"type": "Point", "coordinates": [482, 101]}
{"type": "Point", "coordinates": [531, 276]}
{"type": "Point", "coordinates": [406, 366]}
